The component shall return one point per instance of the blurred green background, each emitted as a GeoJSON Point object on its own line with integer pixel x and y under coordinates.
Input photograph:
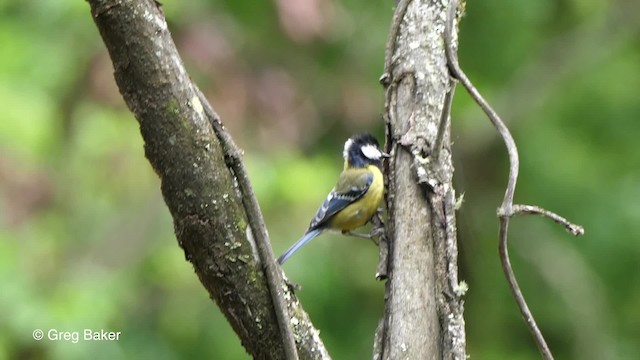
{"type": "Point", "coordinates": [86, 241]}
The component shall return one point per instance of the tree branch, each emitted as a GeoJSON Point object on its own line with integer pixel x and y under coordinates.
{"type": "Point", "coordinates": [216, 216]}
{"type": "Point", "coordinates": [507, 208]}
{"type": "Point", "coordinates": [574, 229]}
{"type": "Point", "coordinates": [256, 223]}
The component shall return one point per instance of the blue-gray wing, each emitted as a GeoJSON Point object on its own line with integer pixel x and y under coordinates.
{"type": "Point", "coordinates": [340, 197]}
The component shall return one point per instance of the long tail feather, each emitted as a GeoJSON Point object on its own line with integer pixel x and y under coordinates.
{"type": "Point", "coordinates": [305, 239]}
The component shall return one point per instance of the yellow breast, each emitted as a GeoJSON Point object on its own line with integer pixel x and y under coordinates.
{"type": "Point", "coordinates": [361, 211]}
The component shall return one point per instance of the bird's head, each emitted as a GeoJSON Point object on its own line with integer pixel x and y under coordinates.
{"type": "Point", "coordinates": [362, 150]}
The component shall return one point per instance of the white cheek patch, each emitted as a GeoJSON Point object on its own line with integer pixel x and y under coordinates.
{"type": "Point", "coordinates": [371, 152]}
{"type": "Point", "coordinates": [347, 145]}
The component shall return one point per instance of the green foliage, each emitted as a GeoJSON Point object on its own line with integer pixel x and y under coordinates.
{"type": "Point", "coordinates": [86, 241]}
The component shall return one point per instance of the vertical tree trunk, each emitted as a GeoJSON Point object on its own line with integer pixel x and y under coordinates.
{"type": "Point", "coordinates": [423, 315]}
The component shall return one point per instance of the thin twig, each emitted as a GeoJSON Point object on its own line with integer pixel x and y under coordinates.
{"type": "Point", "coordinates": [574, 229]}
{"type": "Point", "coordinates": [398, 16]}
{"type": "Point", "coordinates": [383, 245]}
{"type": "Point", "coordinates": [505, 261]}
{"type": "Point", "coordinates": [507, 209]}
{"type": "Point", "coordinates": [456, 71]}
{"type": "Point", "coordinates": [274, 277]}
{"type": "Point", "coordinates": [444, 120]}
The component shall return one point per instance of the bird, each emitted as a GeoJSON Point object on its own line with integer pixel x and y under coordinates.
{"type": "Point", "coordinates": [357, 194]}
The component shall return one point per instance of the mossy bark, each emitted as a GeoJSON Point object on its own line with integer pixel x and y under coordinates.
{"type": "Point", "coordinates": [198, 187]}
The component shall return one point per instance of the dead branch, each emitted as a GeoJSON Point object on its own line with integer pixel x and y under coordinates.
{"type": "Point", "coordinates": [507, 208]}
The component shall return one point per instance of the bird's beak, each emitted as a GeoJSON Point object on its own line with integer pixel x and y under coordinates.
{"type": "Point", "coordinates": [385, 155]}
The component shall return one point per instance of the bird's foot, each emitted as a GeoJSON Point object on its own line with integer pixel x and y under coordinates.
{"type": "Point", "coordinates": [355, 234]}
{"type": "Point", "coordinates": [374, 235]}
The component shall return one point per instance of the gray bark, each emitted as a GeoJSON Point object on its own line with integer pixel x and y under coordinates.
{"type": "Point", "coordinates": [423, 315]}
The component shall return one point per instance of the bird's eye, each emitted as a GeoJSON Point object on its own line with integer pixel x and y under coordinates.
{"type": "Point", "coordinates": [371, 152]}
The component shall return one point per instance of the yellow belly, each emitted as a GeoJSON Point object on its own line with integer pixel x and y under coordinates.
{"type": "Point", "coordinates": [361, 211]}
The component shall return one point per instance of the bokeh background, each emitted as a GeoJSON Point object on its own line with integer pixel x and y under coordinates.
{"type": "Point", "coordinates": [86, 241]}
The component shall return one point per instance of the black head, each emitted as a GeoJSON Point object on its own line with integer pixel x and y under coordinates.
{"type": "Point", "coordinates": [362, 150]}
